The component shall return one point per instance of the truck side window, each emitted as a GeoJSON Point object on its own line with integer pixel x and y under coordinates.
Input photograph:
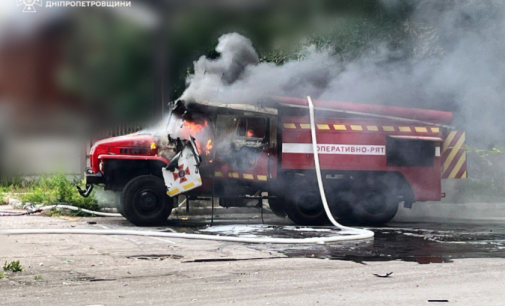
{"type": "Point", "coordinates": [409, 152]}
{"type": "Point", "coordinates": [252, 127]}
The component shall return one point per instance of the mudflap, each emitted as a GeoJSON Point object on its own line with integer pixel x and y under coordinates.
{"type": "Point", "coordinates": [183, 174]}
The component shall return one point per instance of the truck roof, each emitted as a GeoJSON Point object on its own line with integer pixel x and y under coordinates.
{"type": "Point", "coordinates": [431, 116]}
{"type": "Point", "coordinates": [269, 107]}
{"type": "Point", "coordinates": [250, 107]}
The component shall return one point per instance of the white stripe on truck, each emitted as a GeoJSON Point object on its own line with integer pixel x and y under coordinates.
{"type": "Point", "coordinates": [347, 149]}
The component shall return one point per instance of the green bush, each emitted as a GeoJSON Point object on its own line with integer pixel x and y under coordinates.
{"type": "Point", "coordinates": [59, 189]}
{"type": "Point", "coordinates": [10, 183]}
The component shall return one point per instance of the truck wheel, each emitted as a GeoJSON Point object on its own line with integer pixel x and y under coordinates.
{"type": "Point", "coordinates": [340, 203]}
{"type": "Point", "coordinates": [118, 203]}
{"type": "Point", "coordinates": [145, 201]}
{"type": "Point", "coordinates": [374, 208]}
{"type": "Point", "coordinates": [303, 204]}
{"type": "Point", "coordinates": [276, 206]}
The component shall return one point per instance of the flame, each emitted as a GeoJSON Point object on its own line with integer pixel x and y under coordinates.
{"type": "Point", "coordinates": [194, 129]}
{"type": "Point", "coordinates": [209, 146]}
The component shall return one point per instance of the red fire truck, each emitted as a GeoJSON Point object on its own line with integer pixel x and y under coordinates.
{"type": "Point", "coordinates": [373, 157]}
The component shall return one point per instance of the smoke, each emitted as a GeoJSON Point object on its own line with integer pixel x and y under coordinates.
{"type": "Point", "coordinates": [238, 77]}
{"type": "Point", "coordinates": [453, 60]}
{"type": "Point", "coordinates": [236, 55]}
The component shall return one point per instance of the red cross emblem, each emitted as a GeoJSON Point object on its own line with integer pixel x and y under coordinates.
{"type": "Point", "coordinates": [181, 174]}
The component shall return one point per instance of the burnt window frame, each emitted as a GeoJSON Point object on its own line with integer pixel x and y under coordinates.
{"type": "Point", "coordinates": [247, 118]}
{"type": "Point", "coordinates": [396, 147]}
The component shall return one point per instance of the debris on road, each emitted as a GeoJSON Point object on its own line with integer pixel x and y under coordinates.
{"type": "Point", "coordinates": [383, 276]}
{"type": "Point", "coordinates": [102, 279]}
{"type": "Point", "coordinates": [155, 257]}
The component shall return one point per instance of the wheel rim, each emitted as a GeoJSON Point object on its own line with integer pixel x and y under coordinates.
{"type": "Point", "coordinates": [309, 204]}
{"type": "Point", "coordinates": [147, 202]}
{"type": "Point", "coordinates": [373, 202]}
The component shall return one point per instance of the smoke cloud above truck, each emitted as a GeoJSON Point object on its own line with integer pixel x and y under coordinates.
{"type": "Point", "coordinates": [456, 64]}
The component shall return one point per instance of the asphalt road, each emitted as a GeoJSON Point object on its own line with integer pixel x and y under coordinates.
{"type": "Point", "coordinates": [458, 262]}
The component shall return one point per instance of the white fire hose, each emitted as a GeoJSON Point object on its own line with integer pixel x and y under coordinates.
{"type": "Point", "coordinates": [359, 233]}
{"type": "Point", "coordinates": [96, 213]}
{"type": "Point", "coordinates": [348, 233]}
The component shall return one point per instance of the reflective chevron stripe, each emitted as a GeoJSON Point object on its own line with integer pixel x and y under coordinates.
{"type": "Point", "coordinates": [454, 156]}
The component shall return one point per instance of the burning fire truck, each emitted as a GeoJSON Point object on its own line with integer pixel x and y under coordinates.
{"type": "Point", "coordinates": [372, 158]}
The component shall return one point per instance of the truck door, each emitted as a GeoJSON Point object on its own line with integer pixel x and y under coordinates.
{"type": "Point", "coordinates": [242, 147]}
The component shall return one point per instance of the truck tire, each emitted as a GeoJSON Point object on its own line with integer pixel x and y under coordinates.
{"type": "Point", "coordinates": [303, 204]}
{"type": "Point", "coordinates": [145, 201]}
{"type": "Point", "coordinates": [118, 202]}
{"type": "Point", "coordinates": [374, 208]}
{"type": "Point", "coordinates": [276, 206]}
{"type": "Point", "coordinates": [341, 206]}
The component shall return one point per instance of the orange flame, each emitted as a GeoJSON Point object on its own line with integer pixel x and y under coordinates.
{"type": "Point", "coordinates": [194, 129]}
{"type": "Point", "coordinates": [209, 146]}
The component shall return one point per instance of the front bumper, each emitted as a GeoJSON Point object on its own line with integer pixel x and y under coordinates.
{"type": "Point", "coordinates": [91, 179]}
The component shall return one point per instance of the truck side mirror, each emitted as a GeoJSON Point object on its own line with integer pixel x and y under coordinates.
{"type": "Point", "coordinates": [174, 163]}
{"type": "Point", "coordinates": [195, 149]}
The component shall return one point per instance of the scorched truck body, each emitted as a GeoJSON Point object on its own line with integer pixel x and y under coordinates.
{"type": "Point", "coordinates": [372, 158]}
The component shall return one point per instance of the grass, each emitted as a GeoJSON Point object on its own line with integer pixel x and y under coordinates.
{"type": "Point", "coordinates": [13, 266]}
{"type": "Point", "coordinates": [2, 275]}
{"type": "Point", "coordinates": [58, 189]}
{"type": "Point", "coordinates": [50, 190]}
{"type": "Point", "coordinates": [37, 277]}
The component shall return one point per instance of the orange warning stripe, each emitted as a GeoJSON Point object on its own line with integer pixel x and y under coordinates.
{"type": "Point", "coordinates": [454, 156]}
{"type": "Point", "coordinates": [361, 128]}
{"type": "Point", "coordinates": [237, 175]}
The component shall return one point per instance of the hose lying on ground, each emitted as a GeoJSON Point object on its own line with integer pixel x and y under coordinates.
{"type": "Point", "coordinates": [348, 233]}
{"type": "Point", "coordinates": [16, 214]}
{"type": "Point", "coordinates": [39, 209]}
{"type": "Point", "coordinates": [315, 240]}
{"type": "Point", "coordinates": [96, 213]}
{"type": "Point", "coordinates": [59, 206]}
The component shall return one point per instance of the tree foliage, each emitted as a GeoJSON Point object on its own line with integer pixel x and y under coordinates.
{"type": "Point", "coordinates": [109, 58]}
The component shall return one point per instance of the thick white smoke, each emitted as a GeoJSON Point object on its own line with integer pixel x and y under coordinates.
{"type": "Point", "coordinates": [455, 61]}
